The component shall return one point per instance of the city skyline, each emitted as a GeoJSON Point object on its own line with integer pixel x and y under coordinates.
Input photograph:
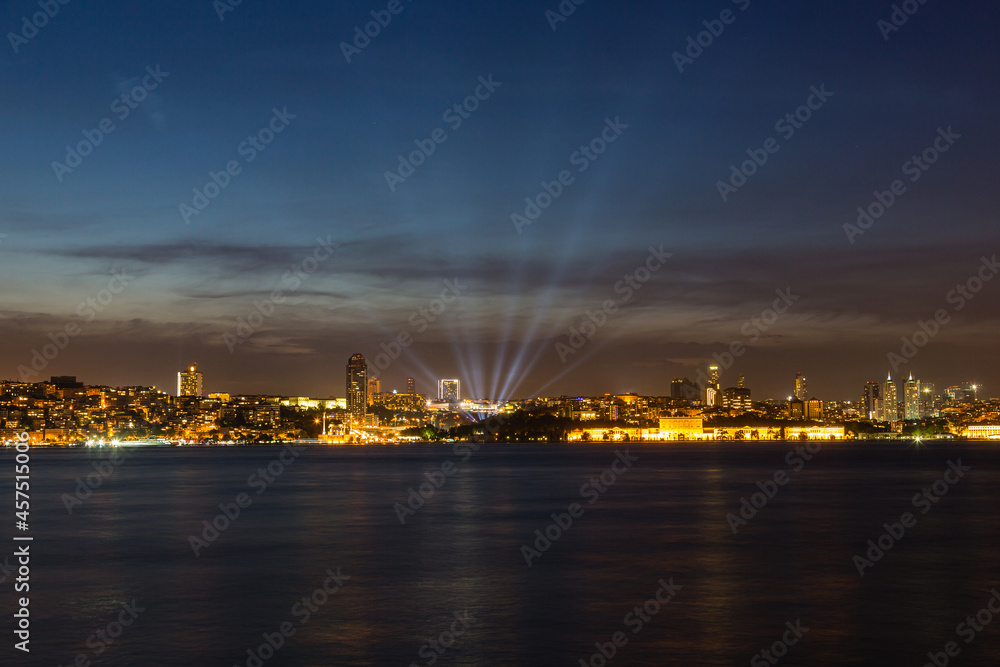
{"type": "Point", "coordinates": [706, 388]}
{"type": "Point", "coordinates": [65, 411]}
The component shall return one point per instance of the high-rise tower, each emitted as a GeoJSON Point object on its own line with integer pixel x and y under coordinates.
{"type": "Point", "coordinates": [713, 390]}
{"type": "Point", "coordinates": [374, 387]}
{"type": "Point", "coordinates": [890, 411]}
{"type": "Point", "coordinates": [357, 386]}
{"type": "Point", "coordinates": [911, 399]}
{"type": "Point", "coordinates": [191, 382]}
{"type": "Point", "coordinates": [449, 391]}
{"type": "Point", "coordinates": [801, 391]}
{"type": "Point", "coordinates": [873, 394]}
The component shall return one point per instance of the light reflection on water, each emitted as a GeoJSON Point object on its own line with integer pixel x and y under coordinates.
{"type": "Point", "coordinates": [665, 517]}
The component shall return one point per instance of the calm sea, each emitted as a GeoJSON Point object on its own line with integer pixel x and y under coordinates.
{"type": "Point", "coordinates": [457, 565]}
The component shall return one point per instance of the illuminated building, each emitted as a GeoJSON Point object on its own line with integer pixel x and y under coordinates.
{"type": "Point", "coordinates": [682, 428]}
{"type": "Point", "coordinates": [963, 393]}
{"type": "Point", "coordinates": [411, 386]}
{"type": "Point", "coordinates": [889, 411]}
{"type": "Point", "coordinates": [190, 382]}
{"type": "Point", "coordinates": [928, 394]}
{"type": "Point", "coordinates": [357, 386]}
{"type": "Point", "coordinates": [616, 434]}
{"type": "Point", "coordinates": [713, 395]}
{"type": "Point", "coordinates": [971, 391]}
{"type": "Point", "coordinates": [812, 409]}
{"type": "Point", "coordinates": [873, 393]}
{"type": "Point", "coordinates": [449, 391]}
{"type": "Point", "coordinates": [398, 402]}
{"type": "Point", "coordinates": [911, 399]}
{"type": "Point", "coordinates": [736, 398]}
{"type": "Point", "coordinates": [801, 392]}
{"type": "Point", "coordinates": [747, 433]}
{"type": "Point", "coordinates": [991, 431]}
{"type": "Point", "coordinates": [374, 387]}
{"type": "Point", "coordinates": [814, 433]}
{"type": "Point", "coordinates": [314, 403]}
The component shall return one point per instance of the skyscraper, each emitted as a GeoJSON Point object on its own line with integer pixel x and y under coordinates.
{"type": "Point", "coordinates": [889, 411]}
{"type": "Point", "coordinates": [357, 386]}
{"type": "Point", "coordinates": [374, 387]}
{"type": "Point", "coordinates": [449, 391]}
{"type": "Point", "coordinates": [411, 386]}
{"type": "Point", "coordinates": [911, 399]}
{"type": "Point", "coordinates": [870, 403]}
{"type": "Point", "coordinates": [191, 382]}
{"type": "Point", "coordinates": [801, 392]}
{"type": "Point", "coordinates": [971, 391]}
{"type": "Point", "coordinates": [928, 393]}
{"type": "Point", "coordinates": [713, 393]}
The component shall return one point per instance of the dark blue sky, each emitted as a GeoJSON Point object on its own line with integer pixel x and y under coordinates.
{"type": "Point", "coordinates": [324, 177]}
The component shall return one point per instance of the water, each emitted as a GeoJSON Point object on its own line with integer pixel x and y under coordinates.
{"type": "Point", "coordinates": [664, 518]}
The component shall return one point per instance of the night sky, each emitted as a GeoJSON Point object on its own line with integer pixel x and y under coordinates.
{"type": "Point", "coordinates": [189, 277]}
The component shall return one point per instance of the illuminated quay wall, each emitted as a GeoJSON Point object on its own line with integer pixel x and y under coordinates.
{"type": "Point", "coordinates": [615, 434]}
{"type": "Point", "coordinates": [981, 431]}
{"type": "Point", "coordinates": [814, 433]}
